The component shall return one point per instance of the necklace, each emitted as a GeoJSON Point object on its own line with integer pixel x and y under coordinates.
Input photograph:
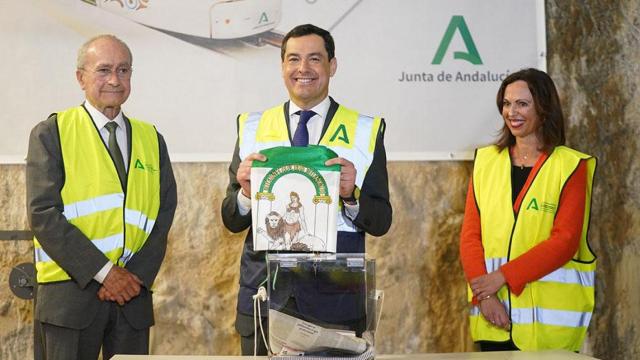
{"type": "Point", "coordinates": [523, 158]}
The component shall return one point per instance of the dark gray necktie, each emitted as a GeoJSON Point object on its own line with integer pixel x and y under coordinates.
{"type": "Point", "coordinates": [301, 136]}
{"type": "Point", "coordinates": [116, 154]}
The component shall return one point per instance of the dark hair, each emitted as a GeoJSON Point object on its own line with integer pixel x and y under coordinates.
{"type": "Point", "coordinates": [309, 29]}
{"type": "Point", "coordinates": [547, 106]}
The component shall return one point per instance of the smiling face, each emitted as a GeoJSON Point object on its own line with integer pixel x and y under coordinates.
{"type": "Point", "coordinates": [519, 111]}
{"type": "Point", "coordinates": [306, 70]}
{"type": "Point", "coordinates": [104, 77]}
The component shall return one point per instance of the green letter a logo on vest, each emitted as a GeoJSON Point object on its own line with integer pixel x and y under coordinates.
{"type": "Point", "coordinates": [139, 164]}
{"type": "Point", "coordinates": [533, 204]}
{"type": "Point", "coordinates": [472, 56]}
{"type": "Point", "coordinates": [341, 134]}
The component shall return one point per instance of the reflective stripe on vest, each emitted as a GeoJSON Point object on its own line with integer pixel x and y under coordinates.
{"type": "Point", "coordinates": [554, 311]}
{"type": "Point", "coordinates": [561, 275]}
{"type": "Point", "coordinates": [116, 225]}
{"type": "Point", "coordinates": [544, 316]}
{"type": "Point", "coordinates": [351, 135]}
{"type": "Point", "coordinates": [108, 202]}
{"type": "Point", "coordinates": [91, 206]}
{"type": "Point", "coordinates": [105, 245]}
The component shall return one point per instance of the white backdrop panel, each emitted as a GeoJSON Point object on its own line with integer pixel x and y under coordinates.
{"type": "Point", "coordinates": [193, 90]}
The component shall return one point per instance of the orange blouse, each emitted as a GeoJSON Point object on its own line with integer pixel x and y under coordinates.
{"type": "Point", "coordinates": [543, 258]}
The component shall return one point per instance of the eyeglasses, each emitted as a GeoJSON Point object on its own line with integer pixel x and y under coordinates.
{"type": "Point", "coordinates": [122, 72]}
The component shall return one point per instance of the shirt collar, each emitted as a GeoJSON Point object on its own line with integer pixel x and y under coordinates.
{"type": "Point", "coordinates": [100, 119]}
{"type": "Point", "coordinates": [321, 109]}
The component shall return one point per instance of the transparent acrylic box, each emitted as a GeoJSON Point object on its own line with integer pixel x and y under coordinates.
{"type": "Point", "coordinates": [321, 304]}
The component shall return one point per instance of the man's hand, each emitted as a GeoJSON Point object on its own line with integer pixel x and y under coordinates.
{"type": "Point", "coordinates": [105, 295]}
{"type": "Point", "coordinates": [120, 285]}
{"type": "Point", "coordinates": [494, 312]}
{"type": "Point", "coordinates": [347, 175]}
{"type": "Point", "coordinates": [244, 172]}
{"type": "Point", "coordinates": [487, 285]}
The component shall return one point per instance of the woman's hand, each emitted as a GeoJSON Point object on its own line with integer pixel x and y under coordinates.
{"type": "Point", "coordinates": [494, 312]}
{"type": "Point", "coordinates": [487, 285]}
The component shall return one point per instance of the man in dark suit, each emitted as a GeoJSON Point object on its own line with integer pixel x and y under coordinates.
{"type": "Point", "coordinates": [308, 62]}
{"type": "Point", "coordinates": [101, 198]}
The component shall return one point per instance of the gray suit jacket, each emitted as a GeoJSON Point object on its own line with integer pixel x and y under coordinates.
{"type": "Point", "coordinates": [74, 304]}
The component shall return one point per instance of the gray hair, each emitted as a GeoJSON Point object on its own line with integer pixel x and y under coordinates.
{"type": "Point", "coordinates": [82, 52]}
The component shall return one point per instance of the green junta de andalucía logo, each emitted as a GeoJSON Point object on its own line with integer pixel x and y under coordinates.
{"type": "Point", "coordinates": [340, 134]}
{"type": "Point", "coordinates": [543, 206]}
{"type": "Point", "coordinates": [457, 23]}
{"type": "Point", "coordinates": [141, 166]}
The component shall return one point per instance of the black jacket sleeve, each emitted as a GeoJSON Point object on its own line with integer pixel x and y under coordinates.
{"type": "Point", "coordinates": [375, 214]}
{"type": "Point", "coordinates": [231, 217]}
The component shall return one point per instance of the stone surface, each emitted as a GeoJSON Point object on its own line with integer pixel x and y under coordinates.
{"type": "Point", "coordinates": [594, 57]}
{"type": "Point", "coordinates": [15, 314]}
{"type": "Point", "coordinates": [197, 286]}
{"type": "Point", "coordinates": [596, 64]}
{"type": "Point", "coordinates": [195, 294]}
{"type": "Point", "coordinates": [417, 261]}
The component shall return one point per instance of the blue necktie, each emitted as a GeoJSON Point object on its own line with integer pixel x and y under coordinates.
{"type": "Point", "coordinates": [301, 136]}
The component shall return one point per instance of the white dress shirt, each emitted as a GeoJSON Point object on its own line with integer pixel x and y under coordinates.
{"type": "Point", "coordinates": [315, 124]}
{"type": "Point", "coordinates": [100, 120]}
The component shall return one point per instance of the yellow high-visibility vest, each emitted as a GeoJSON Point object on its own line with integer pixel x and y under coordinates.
{"type": "Point", "coordinates": [554, 311]}
{"type": "Point", "coordinates": [116, 223]}
{"type": "Point", "coordinates": [351, 135]}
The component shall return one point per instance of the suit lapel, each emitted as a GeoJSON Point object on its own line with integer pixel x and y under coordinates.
{"type": "Point", "coordinates": [285, 108]}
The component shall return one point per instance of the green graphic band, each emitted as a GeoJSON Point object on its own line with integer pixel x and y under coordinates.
{"type": "Point", "coordinates": [275, 174]}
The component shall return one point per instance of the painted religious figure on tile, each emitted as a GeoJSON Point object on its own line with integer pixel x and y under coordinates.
{"type": "Point", "coordinates": [294, 197]}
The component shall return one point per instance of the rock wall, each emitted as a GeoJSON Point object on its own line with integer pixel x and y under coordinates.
{"type": "Point", "coordinates": [195, 294]}
{"type": "Point", "coordinates": [594, 57]}
{"type": "Point", "coordinates": [16, 315]}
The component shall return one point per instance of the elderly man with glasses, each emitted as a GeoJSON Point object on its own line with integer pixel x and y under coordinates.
{"type": "Point", "coordinates": [101, 198]}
